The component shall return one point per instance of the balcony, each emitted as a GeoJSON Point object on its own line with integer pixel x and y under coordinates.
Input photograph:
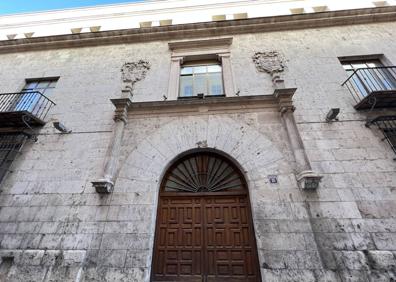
{"type": "Point", "coordinates": [373, 87]}
{"type": "Point", "coordinates": [19, 109]}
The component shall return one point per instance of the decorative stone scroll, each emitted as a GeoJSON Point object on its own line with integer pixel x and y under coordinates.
{"type": "Point", "coordinates": [132, 73]}
{"type": "Point", "coordinates": [272, 63]}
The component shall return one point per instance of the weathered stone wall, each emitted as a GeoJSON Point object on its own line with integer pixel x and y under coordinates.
{"type": "Point", "coordinates": [57, 228]}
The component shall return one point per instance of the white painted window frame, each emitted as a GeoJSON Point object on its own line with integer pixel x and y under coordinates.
{"type": "Point", "coordinates": [189, 49]}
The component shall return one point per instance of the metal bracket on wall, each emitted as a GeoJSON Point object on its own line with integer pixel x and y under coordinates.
{"type": "Point", "coordinates": [32, 135]}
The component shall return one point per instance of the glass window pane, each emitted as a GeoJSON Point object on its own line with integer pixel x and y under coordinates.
{"type": "Point", "coordinates": [186, 86]}
{"type": "Point", "coordinates": [43, 84]}
{"type": "Point", "coordinates": [27, 102]}
{"type": "Point", "coordinates": [349, 72]}
{"type": "Point", "coordinates": [388, 77]}
{"type": "Point", "coordinates": [204, 79]}
{"type": "Point", "coordinates": [215, 84]}
{"type": "Point", "coordinates": [39, 90]}
{"type": "Point", "coordinates": [27, 89]}
{"type": "Point", "coordinates": [380, 79]}
{"type": "Point", "coordinates": [186, 70]}
{"type": "Point", "coordinates": [47, 92]}
{"type": "Point", "coordinates": [200, 69]}
{"type": "Point", "coordinates": [369, 77]}
{"type": "Point", "coordinates": [347, 67]}
{"type": "Point", "coordinates": [30, 85]}
{"type": "Point", "coordinates": [358, 84]}
{"type": "Point", "coordinates": [374, 63]}
{"type": "Point", "coordinates": [214, 68]}
{"type": "Point", "coordinates": [200, 84]}
{"type": "Point", "coordinates": [40, 86]}
{"type": "Point", "coordinates": [359, 65]}
{"type": "Point", "coordinates": [52, 84]}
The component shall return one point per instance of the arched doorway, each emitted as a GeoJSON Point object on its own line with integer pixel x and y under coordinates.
{"type": "Point", "coordinates": [204, 228]}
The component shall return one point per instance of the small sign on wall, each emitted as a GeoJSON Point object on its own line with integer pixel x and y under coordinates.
{"type": "Point", "coordinates": [273, 179]}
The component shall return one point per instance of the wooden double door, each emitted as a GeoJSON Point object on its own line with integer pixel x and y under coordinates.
{"type": "Point", "coordinates": [205, 237]}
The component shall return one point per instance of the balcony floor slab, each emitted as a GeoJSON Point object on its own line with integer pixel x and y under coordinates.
{"type": "Point", "coordinates": [16, 119]}
{"type": "Point", "coordinates": [380, 99]}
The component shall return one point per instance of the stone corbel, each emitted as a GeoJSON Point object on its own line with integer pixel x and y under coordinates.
{"type": "Point", "coordinates": [121, 109]}
{"type": "Point", "coordinates": [308, 180]}
{"type": "Point", "coordinates": [285, 99]}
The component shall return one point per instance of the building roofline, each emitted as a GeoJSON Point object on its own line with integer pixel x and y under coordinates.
{"type": "Point", "coordinates": [141, 3]}
{"type": "Point", "coordinates": [125, 9]}
{"type": "Point", "coordinates": [205, 29]}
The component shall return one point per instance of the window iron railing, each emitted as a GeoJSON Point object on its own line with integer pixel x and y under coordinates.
{"type": "Point", "coordinates": [32, 102]}
{"type": "Point", "coordinates": [201, 96]}
{"type": "Point", "coordinates": [387, 125]}
{"type": "Point", "coordinates": [364, 82]}
{"type": "Point", "coordinates": [10, 146]}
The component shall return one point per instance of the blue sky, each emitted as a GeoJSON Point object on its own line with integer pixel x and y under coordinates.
{"type": "Point", "coordinates": [23, 6]}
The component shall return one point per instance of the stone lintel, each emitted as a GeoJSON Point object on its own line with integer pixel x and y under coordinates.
{"type": "Point", "coordinates": [103, 186]}
{"type": "Point", "coordinates": [208, 103]}
{"type": "Point", "coordinates": [218, 42]}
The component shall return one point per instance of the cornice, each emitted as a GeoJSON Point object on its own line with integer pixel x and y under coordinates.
{"type": "Point", "coordinates": [207, 29]}
{"type": "Point", "coordinates": [210, 104]}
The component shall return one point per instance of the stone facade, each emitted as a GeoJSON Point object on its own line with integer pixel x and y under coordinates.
{"type": "Point", "coordinates": [56, 227]}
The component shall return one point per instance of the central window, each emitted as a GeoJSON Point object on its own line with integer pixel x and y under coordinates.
{"type": "Point", "coordinates": [203, 78]}
{"type": "Point", "coordinates": [201, 68]}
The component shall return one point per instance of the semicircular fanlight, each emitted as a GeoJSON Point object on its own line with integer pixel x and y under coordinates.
{"type": "Point", "coordinates": [202, 172]}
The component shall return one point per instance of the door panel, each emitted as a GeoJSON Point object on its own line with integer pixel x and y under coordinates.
{"type": "Point", "coordinates": [205, 238]}
{"type": "Point", "coordinates": [229, 239]}
{"type": "Point", "coordinates": [179, 240]}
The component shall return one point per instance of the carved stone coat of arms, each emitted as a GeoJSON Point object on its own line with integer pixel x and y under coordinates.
{"type": "Point", "coordinates": [269, 62]}
{"type": "Point", "coordinates": [133, 72]}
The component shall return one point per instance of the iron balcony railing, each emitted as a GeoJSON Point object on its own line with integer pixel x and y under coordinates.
{"type": "Point", "coordinates": [32, 103]}
{"type": "Point", "coordinates": [369, 85]}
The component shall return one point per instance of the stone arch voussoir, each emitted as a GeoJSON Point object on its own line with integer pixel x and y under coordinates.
{"type": "Point", "coordinates": [254, 152]}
